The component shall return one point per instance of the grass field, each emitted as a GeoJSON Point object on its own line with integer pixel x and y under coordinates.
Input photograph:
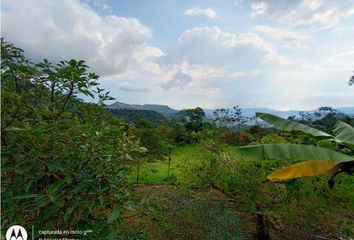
{"type": "Point", "coordinates": [294, 210]}
{"type": "Point", "coordinates": [157, 172]}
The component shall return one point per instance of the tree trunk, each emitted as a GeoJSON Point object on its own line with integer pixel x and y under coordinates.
{"type": "Point", "coordinates": [169, 167]}
{"type": "Point", "coordinates": [138, 175]}
{"type": "Point", "coordinates": [262, 225]}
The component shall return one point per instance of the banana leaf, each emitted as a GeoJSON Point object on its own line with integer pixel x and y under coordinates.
{"type": "Point", "coordinates": [288, 151]}
{"type": "Point", "coordinates": [345, 133]}
{"type": "Point", "coordinates": [313, 160]}
{"type": "Point", "coordinates": [305, 169]}
{"type": "Point", "coordinates": [287, 125]}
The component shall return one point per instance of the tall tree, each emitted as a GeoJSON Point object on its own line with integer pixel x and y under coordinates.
{"type": "Point", "coordinates": [223, 117]}
{"type": "Point", "coordinates": [154, 140]}
{"type": "Point", "coordinates": [239, 117]}
{"type": "Point", "coordinates": [193, 118]}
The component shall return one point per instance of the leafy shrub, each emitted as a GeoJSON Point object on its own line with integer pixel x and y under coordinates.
{"type": "Point", "coordinates": [236, 138]}
{"type": "Point", "coordinates": [273, 138]}
{"type": "Point", "coordinates": [63, 160]}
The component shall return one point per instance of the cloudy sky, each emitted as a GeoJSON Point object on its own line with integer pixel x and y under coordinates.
{"type": "Point", "coordinates": [279, 54]}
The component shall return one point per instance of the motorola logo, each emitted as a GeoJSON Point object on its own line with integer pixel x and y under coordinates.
{"type": "Point", "coordinates": [16, 232]}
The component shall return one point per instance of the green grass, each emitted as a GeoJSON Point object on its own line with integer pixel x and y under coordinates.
{"type": "Point", "coordinates": [157, 172]}
{"type": "Point", "coordinates": [296, 206]}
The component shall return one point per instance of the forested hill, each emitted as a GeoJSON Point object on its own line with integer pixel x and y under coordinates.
{"type": "Point", "coordinates": [162, 109]}
{"type": "Point", "coordinates": [133, 115]}
{"type": "Point", "coordinates": [249, 112]}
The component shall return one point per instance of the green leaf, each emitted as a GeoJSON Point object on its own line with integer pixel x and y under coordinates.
{"type": "Point", "coordinates": [130, 207]}
{"type": "Point", "coordinates": [53, 188]}
{"type": "Point", "coordinates": [287, 125]}
{"type": "Point", "coordinates": [68, 213]}
{"type": "Point", "coordinates": [14, 129]}
{"type": "Point", "coordinates": [27, 196]}
{"type": "Point", "coordinates": [69, 179]}
{"type": "Point", "coordinates": [114, 215]}
{"type": "Point", "coordinates": [128, 157]}
{"type": "Point", "coordinates": [314, 160]}
{"type": "Point", "coordinates": [344, 132]}
{"type": "Point", "coordinates": [142, 150]}
{"type": "Point", "coordinates": [288, 151]}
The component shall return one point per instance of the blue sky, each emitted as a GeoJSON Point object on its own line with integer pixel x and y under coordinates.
{"type": "Point", "coordinates": [279, 54]}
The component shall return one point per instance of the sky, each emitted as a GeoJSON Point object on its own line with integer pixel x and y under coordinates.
{"type": "Point", "coordinates": [277, 54]}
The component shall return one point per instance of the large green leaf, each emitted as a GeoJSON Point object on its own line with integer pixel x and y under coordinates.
{"type": "Point", "coordinates": [289, 152]}
{"type": "Point", "coordinates": [344, 132]}
{"type": "Point", "coordinates": [313, 160]}
{"type": "Point", "coordinates": [287, 125]}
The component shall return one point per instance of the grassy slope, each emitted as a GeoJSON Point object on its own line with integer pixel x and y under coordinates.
{"type": "Point", "coordinates": [156, 172]}
{"type": "Point", "coordinates": [335, 214]}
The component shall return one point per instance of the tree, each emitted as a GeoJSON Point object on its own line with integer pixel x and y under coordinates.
{"type": "Point", "coordinates": [327, 118]}
{"type": "Point", "coordinates": [154, 140]}
{"type": "Point", "coordinates": [257, 132]}
{"type": "Point", "coordinates": [59, 153]}
{"type": "Point", "coordinates": [193, 119]}
{"type": "Point", "coordinates": [305, 117]}
{"type": "Point", "coordinates": [223, 117]}
{"type": "Point", "coordinates": [351, 80]}
{"type": "Point", "coordinates": [238, 117]}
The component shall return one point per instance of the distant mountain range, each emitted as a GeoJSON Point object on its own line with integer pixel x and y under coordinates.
{"type": "Point", "coordinates": [163, 109]}
{"type": "Point", "coordinates": [250, 112]}
{"type": "Point", "coordinates": [170, 112]}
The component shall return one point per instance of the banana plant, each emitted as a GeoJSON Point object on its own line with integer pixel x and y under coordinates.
{"type": "Point", "coordinates": [306, 160]}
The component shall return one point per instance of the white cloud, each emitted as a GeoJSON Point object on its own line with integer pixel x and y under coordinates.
{"type": "Point", "coordinates": [261, 44]}
{"type": "Point", "coordinates": [259, 8]}
{"type": "Point", "coordinates": [237, 74]}
{"type": "Point", "coordinates": [207, 42]}
{"type": "Point", "coordinates": [285, 38]}
{"type": "Point", "coordinates": [204, 66]}
{"type": "Point", "coordinates": [208, 35]}
{"type": "Point", "coordinates": [71, 29]}
{"type": "Point", "coordinates": [208, 12]}
{"type": "Point", "coordinates": [128, 87]}
{"type": "Point", "coordinates": [304, 12]}
{"type": "Point", "coordinates": [100, 4]}
{"type": "Point", "coordinates": [206, 55]}
{"type": "Point", "coordinates": [185, 74]}
{"type": "Point", "coordinates": [344, 59]}
{"type": "Point", "coordinates": [179, 79]}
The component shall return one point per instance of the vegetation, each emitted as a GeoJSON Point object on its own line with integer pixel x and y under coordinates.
{"type": "Point", "coordinates": [132, 115]}
{"type": "Point", "coordinates": [63, 160]}
{"type": "Point", "coordinates": [318, 160]}
{"type": "Point", "coordinates": [225, 117]}
{"type": "Point", "coordinates": [68, 164]}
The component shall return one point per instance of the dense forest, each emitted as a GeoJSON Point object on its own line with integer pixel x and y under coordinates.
{"type": "Point", "coordinates": [132, 115]}
{"type": "Point", "coordinates": [134, 174]}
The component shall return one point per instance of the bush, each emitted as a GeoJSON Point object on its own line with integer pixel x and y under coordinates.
{"type": "Point", "coordinates": [63, 160]}
{"type": "Point", "coordinates": [236, 138]}
{"type": "Point", "coordinates": [273, 138]}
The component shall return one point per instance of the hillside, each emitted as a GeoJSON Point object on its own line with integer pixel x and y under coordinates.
{"type": "Point", "coordinates": [162, 109]}
{"type": "Point", "coordinates": [249, 112]}
{"type": "Point", "coordinates": [132, 115]}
